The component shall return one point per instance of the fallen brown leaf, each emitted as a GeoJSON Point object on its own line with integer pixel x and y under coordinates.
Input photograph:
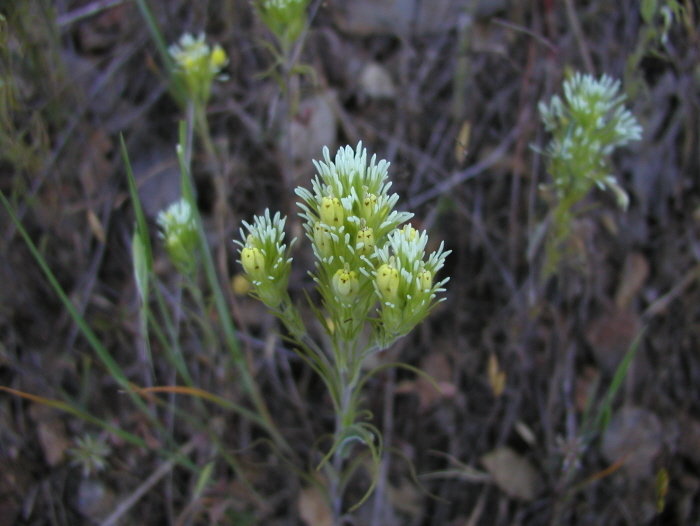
{"type": "Point", "coordinates": [513, 473]}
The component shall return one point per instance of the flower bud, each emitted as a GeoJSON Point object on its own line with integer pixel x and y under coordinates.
{"type": "Point", "coordinates": [364, 243]}
{"type": "Point", "coordinates": [332, 212]}
{"type": "Point", "coordinates": [424, 280]}
{"type": "Point", "coordinates": [253, 262]}
{"type": "Point", "coordinates": [322, 240]}
{"type": "Point", "coordinates": [369, 205]}
{"type": "Point", "coordinates": [409, 232]}
{"type": "Point", "coordinates": [388, 282]}
{"type": "Point", "coordinates": [218, 59]}
{"type": "Point", "coordinates": [346, 284]}
{"type": "Point", "coordinates": [196, 65]}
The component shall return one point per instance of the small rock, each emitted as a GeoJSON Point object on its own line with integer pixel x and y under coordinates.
{"type": "Point", "coordinates": [94, 500]}
{"type": "Point", "coordinates": [376, 82]}
{"type": "Point", "coordinates": [634, 437]}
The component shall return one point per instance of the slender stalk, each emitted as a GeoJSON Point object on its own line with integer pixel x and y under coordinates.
{"type": "Point", "coordinates": [246, 377]}
{"type": "Point", "coordinates": [348, 368]}
{"type": "Point", "coordinates": [336, 490]}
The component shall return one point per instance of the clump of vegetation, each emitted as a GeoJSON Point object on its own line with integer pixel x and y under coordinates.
{"type": "Point", "coordinates": [363, 258]}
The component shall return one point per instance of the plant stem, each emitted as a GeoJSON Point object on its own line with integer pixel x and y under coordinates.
{"type": "Point", "coordinates": [348, 362]}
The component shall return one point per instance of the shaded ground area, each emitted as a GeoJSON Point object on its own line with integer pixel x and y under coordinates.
{"type": "Point", "coordinates": [447, 92]}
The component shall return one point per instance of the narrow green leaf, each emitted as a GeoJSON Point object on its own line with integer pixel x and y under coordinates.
{"type": "Point", "coordinates": [156, 34]}
{"type": "Point", "coordinates": [138, 255]}
{"type": "Point", "coordinates": [605, 412]}
{"type": "Point", "coordinates": [141, 226]}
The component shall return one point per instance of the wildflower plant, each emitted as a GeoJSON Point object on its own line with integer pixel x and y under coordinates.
{"type": "Point", "coordinates": [194, 65]}
{"type": "Point", "coordinates": [287, 21]}
{"type": "Point", "coordinates": [372, 275]}
{"type": "Point", "coordinates": [587, 125]}
{"type": "Point", "coordinates": [266, 259]}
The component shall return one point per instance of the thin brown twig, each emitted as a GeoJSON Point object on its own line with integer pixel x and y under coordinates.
{"type": "Point", "coordinates": [578, 34]}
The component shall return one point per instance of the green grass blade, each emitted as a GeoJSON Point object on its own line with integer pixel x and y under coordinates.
{"type": "Point", "coordinates": [91, 337]}
{"type": "Point", "coordinates": [156, 34]}
{"type": "Point", "coordinates": [604, 414]}
{"type": "Point", "coordinates": [141, 226]}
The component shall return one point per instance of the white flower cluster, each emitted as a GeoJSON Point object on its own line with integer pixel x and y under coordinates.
{"type": "Point", "coordinates": [285, 18]}
{"type": "Point", "coordinates": [587, 125]}
{"type": "Point", "coordinates": [178, 216]}
{"type": "Point", "coordinates": [179, 232]}
{"type": "Point", "coordinates": [196, 64]}
{"type": "Point", "coordinates": [191, 52]}
{"type": "Point", "coordinates": [404, 281]}
{"type": "Point", "coordinates": [265, 257]}
{"type": "Point", "coordinates": [593, 105]}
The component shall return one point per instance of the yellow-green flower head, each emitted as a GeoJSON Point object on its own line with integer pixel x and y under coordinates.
{"type": "Point", "coordinates": [196, 65]}
{"type": "Point", "coordinates": [369, 204]}
{"type": "Point", "coordinates": [424, 280]}
{"type": "Point", "coordinates": [347, 191]}
{"type": "Point", "coordinates": [253, 262]}
{"type": "Point", "coordinates": [265, 258]}
{"type": "Point", "coordinates": [404, 280]}
{"type": "Point", "coordinates": [179, 233]}
{"type": "Point", "coordinates": [409, 232]}
{"type": "Point", "coordinates": [218, 58]}
{"type": "Point", "coordinates": [345, 285]}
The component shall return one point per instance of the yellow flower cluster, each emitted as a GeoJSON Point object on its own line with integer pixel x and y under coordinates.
{"type": "Point", "coordinates": [265, 258]}
{"type": "Point", "coordinates": [363, 254]}
{"type": "Point", "coordinates": [196, 65]}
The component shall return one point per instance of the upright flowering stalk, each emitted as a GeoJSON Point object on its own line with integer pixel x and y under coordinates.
{"type": "Point", "coordinates": [586, 126]}
{"type": "Point", "coordinates": [371, 273]}
{"type": "Point", "coordinates": [195, 66]}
